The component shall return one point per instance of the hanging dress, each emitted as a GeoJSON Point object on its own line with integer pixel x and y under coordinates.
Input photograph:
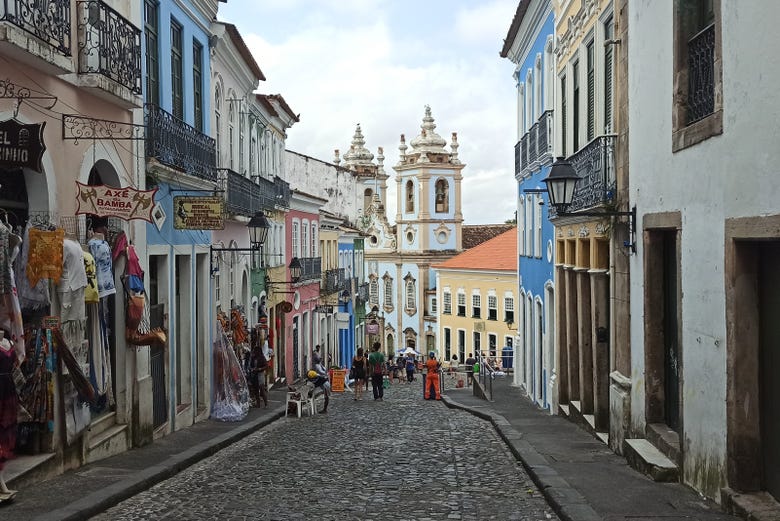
{"type": "Point", "coordinates": [9, 404]}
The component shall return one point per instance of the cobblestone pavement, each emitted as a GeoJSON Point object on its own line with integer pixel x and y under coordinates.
{"type": "Point", "coordinates": [402, 458]}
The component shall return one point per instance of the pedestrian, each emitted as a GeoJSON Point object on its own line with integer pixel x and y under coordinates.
{"type": "Point", "coordinates": [316, 359]}
{"type": "Point", "coordinates": [376, 363]}
{"type": "Point", "coordinates": [432, 377]}
{"type": "Point", "coordinates": [470, 361]}
{"type": "Point", "coordinates": [359, 373]}
{"type": "Point", "coordinates": [410, 368]}
{"type": "Point", "coordinates": [321, 381]}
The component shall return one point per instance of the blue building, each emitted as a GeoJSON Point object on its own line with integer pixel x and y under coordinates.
{"type": "Point", "coordinates": [529, 45]}
{"type": "Point", "coordinates": [180, 161]}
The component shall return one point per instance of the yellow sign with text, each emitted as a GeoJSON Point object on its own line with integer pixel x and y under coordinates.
{"type": "Point", "coordinates": [198, 213]}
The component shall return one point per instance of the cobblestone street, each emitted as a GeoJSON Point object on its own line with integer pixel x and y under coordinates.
{"type": "Point", "coordinates": [402, 458]}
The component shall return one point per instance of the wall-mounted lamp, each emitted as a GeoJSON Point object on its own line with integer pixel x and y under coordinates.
{"type": "Point", "coordinates": [258, 227]}
{"type": "Point", "coordinates": [345, 297]}
{"type": "Point", "coordinates": [295, 275]}
{"type": "Point", "coordinates": [509, 323]}
{"type": "Point", "coordinates": [561, 182]}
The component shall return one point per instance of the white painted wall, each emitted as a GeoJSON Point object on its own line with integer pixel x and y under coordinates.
{"type": "Point", "coordinates": [726, 176]}
{"type": "Point", "coordinates": [325, 180]}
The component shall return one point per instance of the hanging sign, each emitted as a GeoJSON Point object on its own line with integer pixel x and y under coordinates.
{"type": "Point", "coordinates": [323, 308]}
{"type": "Point", "coordinates": [107, 201]}
{"type": "Point", "coordinates": [372, 328]}
{"type": "Point", "coordinates": [21, 144]}
{"type": "Point", "coordinates": [198, 213]}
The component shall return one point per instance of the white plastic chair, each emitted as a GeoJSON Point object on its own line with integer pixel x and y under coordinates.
{"type": "Point", "coordinates": [300, 397]}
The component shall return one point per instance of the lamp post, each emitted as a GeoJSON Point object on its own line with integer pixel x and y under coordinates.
{"type": "Point", "coordinates": [258, 227]}
{"type": "Point", "coordinates": [561, 184]}
{"type": "Point", "coordinates": [295, 276]}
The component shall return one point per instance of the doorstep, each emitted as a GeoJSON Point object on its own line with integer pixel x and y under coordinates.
{"type": "Point", "coordinates": [21, 468]}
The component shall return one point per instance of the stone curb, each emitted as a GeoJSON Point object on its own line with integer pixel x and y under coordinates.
{"type": "Point", "coordinates": [569, 504]}
{"type": "Point", "coordinates": [144, 479]}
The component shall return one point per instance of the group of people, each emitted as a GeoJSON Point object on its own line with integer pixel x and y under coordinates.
{"type": "Point", "coordinates": [372, 365]}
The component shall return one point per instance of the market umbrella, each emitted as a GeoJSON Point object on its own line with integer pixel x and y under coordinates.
{"type": "Point", "coordinates": [409, 351]}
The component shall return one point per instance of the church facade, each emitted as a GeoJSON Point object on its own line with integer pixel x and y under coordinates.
{"type": "Point", "coordinates": [402, 305]}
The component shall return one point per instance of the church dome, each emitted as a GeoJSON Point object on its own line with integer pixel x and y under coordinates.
{"type": "Point", "coordinates": [358, 153]}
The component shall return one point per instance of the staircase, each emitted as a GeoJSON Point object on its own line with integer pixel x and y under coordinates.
{"type": "Point", "coordinates": [105, 437]}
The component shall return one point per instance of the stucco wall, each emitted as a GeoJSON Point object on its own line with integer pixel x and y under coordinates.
{"type": "Point", "coordinates": [325, 180]}
{"type": "Point", "coordinates": [725, 176]}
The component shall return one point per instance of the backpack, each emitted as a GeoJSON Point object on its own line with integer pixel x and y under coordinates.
{"type": "Point", "coordinates": [378, 368]}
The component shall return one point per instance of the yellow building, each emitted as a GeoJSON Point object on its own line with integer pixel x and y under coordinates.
{"type": "Point", "coordinates": [477, 291]}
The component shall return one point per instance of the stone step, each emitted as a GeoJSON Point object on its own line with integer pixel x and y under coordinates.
{"type": "Point", "coordinates": [644, 457]}
{"type": "Point", "coordinates": [101, 424]}
{"type": "Point", "coordinates": [111, 441]}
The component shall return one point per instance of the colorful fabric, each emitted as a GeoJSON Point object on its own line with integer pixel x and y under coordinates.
{"type": "Point", "coordinates": [35, 296]}
{"type": "Point", "coordinates": [105, 269]}
{"type": "Point", "coordinates": [9, 403]}
{"type": "Point", "coordinates": [45, 255]}
{"type": "Point", "coordinates": [11, 313]}
{"type": "Point", "coordinates": [133, 263]}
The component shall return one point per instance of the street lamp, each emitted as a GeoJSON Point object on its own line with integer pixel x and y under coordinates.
{"type": "Point", "coordinates": [561, 183]}
{"type": "Point", "coordinates": [345, 297]}
{"type": "Point", "coordinates": [258, 227]}
{"type": "Point", "coordinates": [295, 275]}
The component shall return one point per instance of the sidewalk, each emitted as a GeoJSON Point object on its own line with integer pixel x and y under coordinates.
{"type": "Point", "coordinates": [88, 490]}
{"type": "Point", "coordinates": [580, 476]}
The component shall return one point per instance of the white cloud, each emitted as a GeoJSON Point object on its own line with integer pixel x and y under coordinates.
{"type": "Point", "coordinates": [379, 68]}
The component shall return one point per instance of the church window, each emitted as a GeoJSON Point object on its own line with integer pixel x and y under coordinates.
{"type": "Point", "coordinates": [411, 296]}
{"type": "Point", "coordinates": [409, 197]}
{"type": "Point", "coordinates": [442, 196]}
{"type": "Point", "coordinates": [368, 194]}
{"type": "Point", "coordinates": [373, 291]}
{"type": "Point", "coordinates": [388, 287]}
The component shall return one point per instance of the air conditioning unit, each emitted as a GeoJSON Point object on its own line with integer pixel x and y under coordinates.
{"type": "Point", "coordinates": [479, 326]}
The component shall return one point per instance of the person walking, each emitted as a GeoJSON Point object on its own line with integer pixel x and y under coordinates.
{"type": "Point", "coordinates": [410, 368]}
{"type": "Point", "coordinates": [359, 373]}
{"type": "Point", "coordinates": [432, 377]}
{"type": "Point", "coordinates": [470, 361]}
{"type": "Point", "coordinates": [376, 361]}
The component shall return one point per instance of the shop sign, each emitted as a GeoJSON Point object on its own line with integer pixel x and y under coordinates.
{"type": "Point", "coordinates": [21, 144]}
{"type": "Point", "coordinates": [372, 328]}
{"type": "Point", "coordinates": [50, 322]}
{"type": "Point", "coordinates": [337, 380]}
{"type": "Point", "coordinates": [322, 308]}
{"type": "Point", "coordinates": [198, 213]}
{"type": "Point", "coordinates": [107, 201]}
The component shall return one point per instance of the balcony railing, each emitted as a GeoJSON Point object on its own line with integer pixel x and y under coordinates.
{"type": "Point", "coordinates": [109, 44]}
{"type": "Point", "coordinates": [535, 145]}
{"type": "Point", "coordinates": [282, 193]}
{"type": "Point", "coordinates": [47, 20]}
{"type": "Point", "coordinates": [244, 196]}
{"type": "Point", "coordinates": [362, 293]}
{"type": "Point", "coordinates": [701, 75]}
{"type": "Point", "coordinates": [595, 164]}
{"type": "Point", "coordinates": [311, 268]}
{"type": "Point", "coordinates": [178, 145]}
{"type": "Point", "coordinates": [334, 281]}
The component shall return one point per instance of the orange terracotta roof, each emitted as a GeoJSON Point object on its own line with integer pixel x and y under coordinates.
{"type": "Point", "coordinates": [475, 234]}
{"type": "Point", "coordinates": [499, 253]}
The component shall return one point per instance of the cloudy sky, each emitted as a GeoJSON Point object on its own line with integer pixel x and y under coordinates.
{"type": "Point", "coordinates": [378, 63]}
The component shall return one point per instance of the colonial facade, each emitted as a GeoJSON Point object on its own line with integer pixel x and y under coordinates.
{"type": "Point", "coordinates": [529, 44]}
{"type": "Point", "coordinates": [704, 281]}
{"type": "Point", "coordinates": [477, 290]}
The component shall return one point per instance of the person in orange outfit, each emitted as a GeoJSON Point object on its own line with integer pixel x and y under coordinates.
{"type": "Point", "coordinates": [432, 365]}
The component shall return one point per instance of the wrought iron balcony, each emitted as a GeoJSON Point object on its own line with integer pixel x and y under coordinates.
{"type": "Point", "coordinates": [109, 44]}
{"type": "Point", "coordinates": [47, 20]}
{"type": "Point", "coordinates": [178, 145]}
{"type": "Point", "coordinates": [595, 164]}
{"type": "Point", "coordinates": [701, 75]}
{"type": "Point", "coordinates": [535, 145]}
{"type": "Point", "coordinates": [282, 192]}
{"type": "Point", "coordinates": [245, 197]}
{"type": "Point", "coordinates": [334, 281]}
{"type": "Point", "coordinates": [311, 268]}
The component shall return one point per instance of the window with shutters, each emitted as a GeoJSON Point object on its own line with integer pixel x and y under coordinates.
{"type": "Point", "coordinates": [509, 309]}
{"type": "Point", "coordinates": [447, 298]}
{"type": "Point", "coordinates": [315, 239]}
{"type": "Point", "coordinates": [197, 84]}
{"type": "Point", "coordinates": [231, 132]}
{"type": "Point", "coordinates": [609, 34]}
{"type": "Point", "coordinates": [177, 70]}
{"type": "Point", "coordinates": [305, 239]}
{"type": "Point", "coordinates": [461, 304]}
{"type": "Point", "coordinates": [575, 106]}
{"type": "Point", "coordinates": [476, 305]}
{"type": "Point", "coordinates": [388, 289]}
{"type": "Point", "coordinates": [373, 291]}
{"type": "Point", "coordinates": [591, 77]}
{"type": "Point", "coordinates": [151, 33]}
{"type": "Point", "coordinates": [492, 307]}
{"type": "Point", "coordinates": [296, 239]}
{"type": "Point", "coordinates": [218, 120]}
{"type": "Point", "coordinates": [411, 296]}
{"type": "Point", "coordinates": [563, 116]}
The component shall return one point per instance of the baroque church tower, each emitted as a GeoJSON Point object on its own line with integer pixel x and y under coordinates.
{"type": "Point", "coordinates": [429, 179]}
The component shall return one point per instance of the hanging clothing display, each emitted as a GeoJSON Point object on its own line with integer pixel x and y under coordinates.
{"type": "Point", "coordinates": [99, 355]}
{"type": "Point", "coordinates": [91, 290]}
{"type": "Point", "coordinates": [31, 297]}
{"type": "Point", "coordinates": [9, 402]}
{"type": "Point", "coordinates": [10, 310]}
{"type": "Point", "coordinates": [45, 255]}
{"type": "Point", "coordinates": [230, 397]}
{"type": "Point", "coordinates": [101, 251]}
{"type": "Point", "coordinates": [72, 283]}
